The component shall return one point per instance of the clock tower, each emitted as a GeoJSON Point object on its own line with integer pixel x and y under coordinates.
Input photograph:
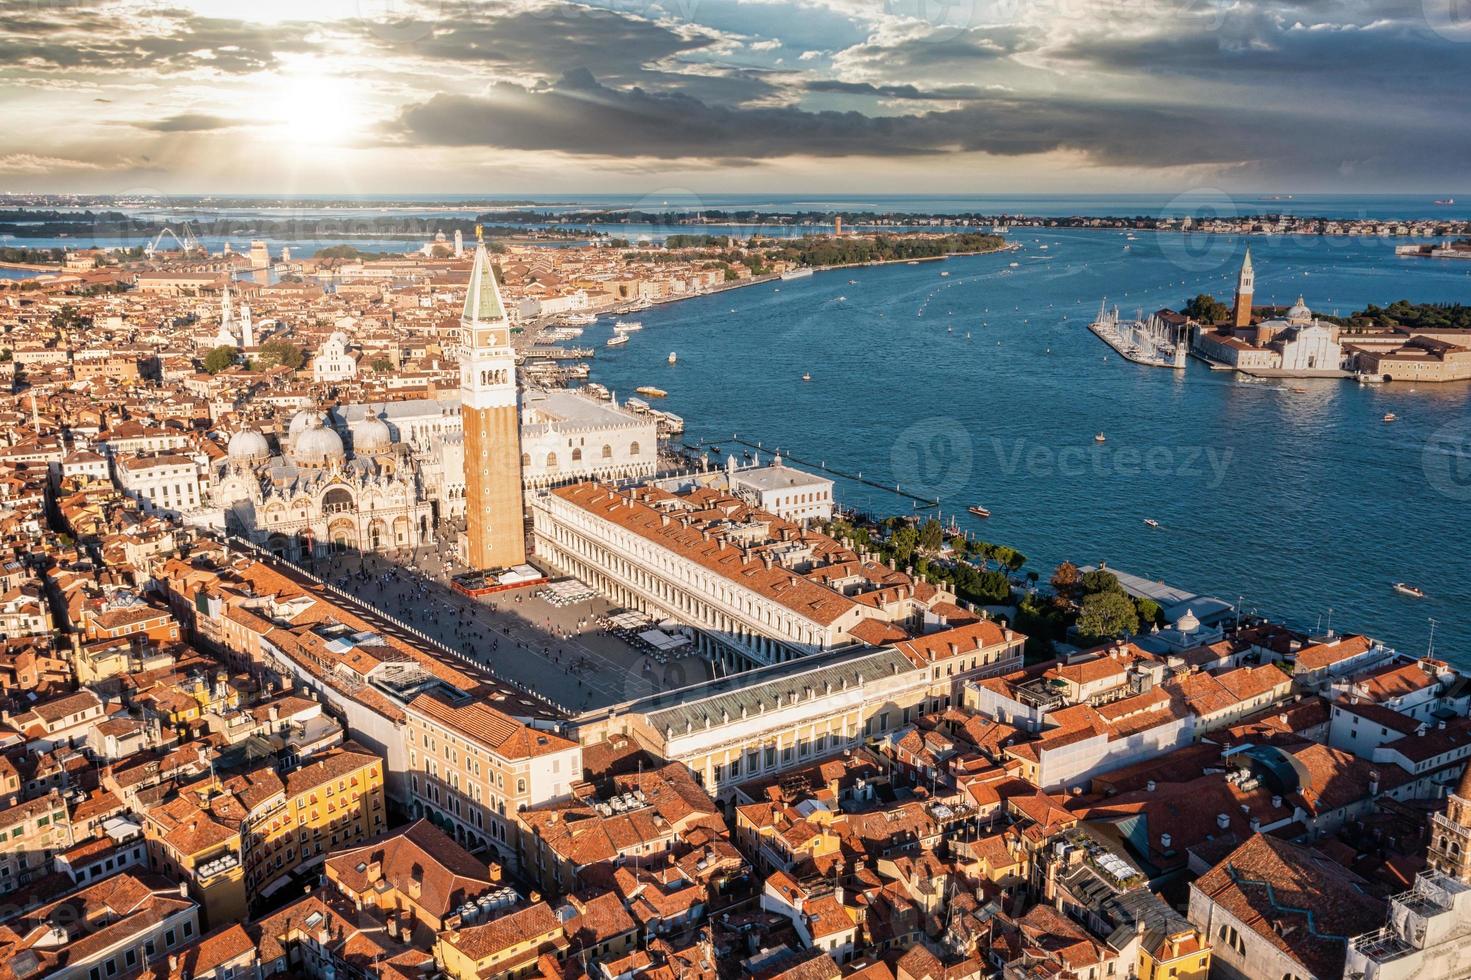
{"type": "Point", "coordinates": [494, 511]}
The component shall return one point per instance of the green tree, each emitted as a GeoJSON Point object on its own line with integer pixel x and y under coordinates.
{"type": "Point", "coordinates": [381, 363]}
{"type": "Point", "coordinates": [1099, 580]}
{"type": "Point", "coordinates": [282, 352]}
{"type": "Point", "coordinates": [218, 359]}
{"type": "Point", "coordinates": [338, 252]}
{"type": "Point", "coordinates": [1149, 611]}
{"type": "Point", "coordinates": [903, 542]}
{"type": "Point", "coordinates": [1106, 615]}
{"type": "Point", "coordinates": [1008, 558]}
{"type": "Point", "coordinates": [1205, 308]}
{"type": "Point", "coordinates": [931, 535]}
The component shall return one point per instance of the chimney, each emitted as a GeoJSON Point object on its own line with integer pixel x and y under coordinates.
{"type": "Point", "coordinates": [1165, 840]}
{"type": "Point", "coordinates": [1223, 821]}
{"type": "Point", "coordinates": [1150, 786]}
{"type": "Point", "coordinates": [1373, 782]}
{"type": "Point", "coordinates": [173, 963]}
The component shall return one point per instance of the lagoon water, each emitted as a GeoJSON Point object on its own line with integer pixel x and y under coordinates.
{"type": "Point", "coordinates": [1293, 495]}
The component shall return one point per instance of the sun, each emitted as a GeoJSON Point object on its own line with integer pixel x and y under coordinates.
{"type": "Point", "coordinates": [317, 109]}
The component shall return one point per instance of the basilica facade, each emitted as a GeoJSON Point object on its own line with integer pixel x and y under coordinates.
{"type": "Point", "coordinates": [317, 497]}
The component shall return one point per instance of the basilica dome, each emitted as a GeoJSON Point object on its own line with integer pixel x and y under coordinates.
{"type": "Point", "coordinates": [300, 422]}
{"type": "Point", "coordinates": [371, 435]}
{"type": "Point", "coordinates": [249, 444]}
{"type": "Point", "coordinates": [316, 445]}
{"type": "Point", "coordinates": [1299, 312]}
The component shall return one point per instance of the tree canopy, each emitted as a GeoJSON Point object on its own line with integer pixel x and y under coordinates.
{"type": "Point", "coordinates": [1106, 615]}
{"type": "Point", "coordinates": [1205, 308]}
{"type": "Point", "coordinates": [218, 359]}
{"type": "Point", "coordinates": [282, 352]}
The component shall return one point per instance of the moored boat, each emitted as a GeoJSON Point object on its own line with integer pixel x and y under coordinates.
{"type": "Point", "coordinates": [617, 340]}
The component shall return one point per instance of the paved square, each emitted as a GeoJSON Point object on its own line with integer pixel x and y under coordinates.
{"type": "Point", "coordinates": [560, 652]}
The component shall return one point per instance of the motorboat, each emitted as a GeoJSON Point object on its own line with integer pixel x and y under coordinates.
{"type": "Point", "coordinates": [673, 357]}
{"type": "Point", "coordinates": [1100, 437]}
{"type": "Point", "coordinates": [1391, 417]}
{"type": "Point", "coordinates": [806, 375]}
{"type": "Point", "coordinates": [628, 326]}
{"type": "Point", "coordinates": [978, 511]}
{"type": "Point", "coordinates": [1409, 590]}
{"type": "Point", "coordinates": [618, 340]}
{"type": "Point", "coordinates": [1151, 522]}
{"type": "Point", "coordinates": [649, 391]}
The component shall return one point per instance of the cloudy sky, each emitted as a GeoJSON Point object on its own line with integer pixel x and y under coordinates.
{"type": "Point", "coordinates": [655, 96]}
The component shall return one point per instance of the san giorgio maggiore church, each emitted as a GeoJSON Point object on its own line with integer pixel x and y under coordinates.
{"type": "Point", "coordinates": [383, 476]}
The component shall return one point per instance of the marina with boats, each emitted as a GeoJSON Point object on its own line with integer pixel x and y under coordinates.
{"type": "Point", "coordinates": [1152, 342]}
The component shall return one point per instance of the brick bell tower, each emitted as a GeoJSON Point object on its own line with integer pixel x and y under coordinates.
{"type": "Point", "coordinates": [490, 411]}
{"type": "Point", "coordinates": [1450, 833]}
{"type": "Point", "coordinates": [1245, 286]}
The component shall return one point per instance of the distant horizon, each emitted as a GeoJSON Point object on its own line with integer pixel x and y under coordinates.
{"type": "Point", "coordinates": [722, 195]}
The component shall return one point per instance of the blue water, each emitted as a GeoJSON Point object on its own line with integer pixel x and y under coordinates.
{"type": "Point", "coordinates": [1303, 503]}
{"type": "Point", "coordinates": [1199, 204]}
{"type": "Point", "coordinates": [1052, 205]}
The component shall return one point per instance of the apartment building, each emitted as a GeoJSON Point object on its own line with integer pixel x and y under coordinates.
{"type": "Point", "coordinates": [335, 800]}
{"type": "Point", "coordinates": [472, 769]}
{"type": "Point", "coordinates": [31, 834]}
{"type": "Point", "coordinates": [163, 484]}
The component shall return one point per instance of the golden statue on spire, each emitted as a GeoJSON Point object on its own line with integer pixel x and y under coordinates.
{"type": "Point", "coordinates": [479, 232]}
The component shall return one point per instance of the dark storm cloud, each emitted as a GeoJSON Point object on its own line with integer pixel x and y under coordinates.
{"type": "Point", "coordinates": [910, 92]}
{"type": "Point", "coordinates": [581, 116]}
{"type": "Point", "coordinates": [544, 43]}
{"type": "Point", "coordinates": [186, 122]}
{"type": "Point", "coordinates": [1261, 51]}
{"type": "Point", "coordinates": [552, 40]}
{"type": "Point", "coordinates": [69, 37]}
